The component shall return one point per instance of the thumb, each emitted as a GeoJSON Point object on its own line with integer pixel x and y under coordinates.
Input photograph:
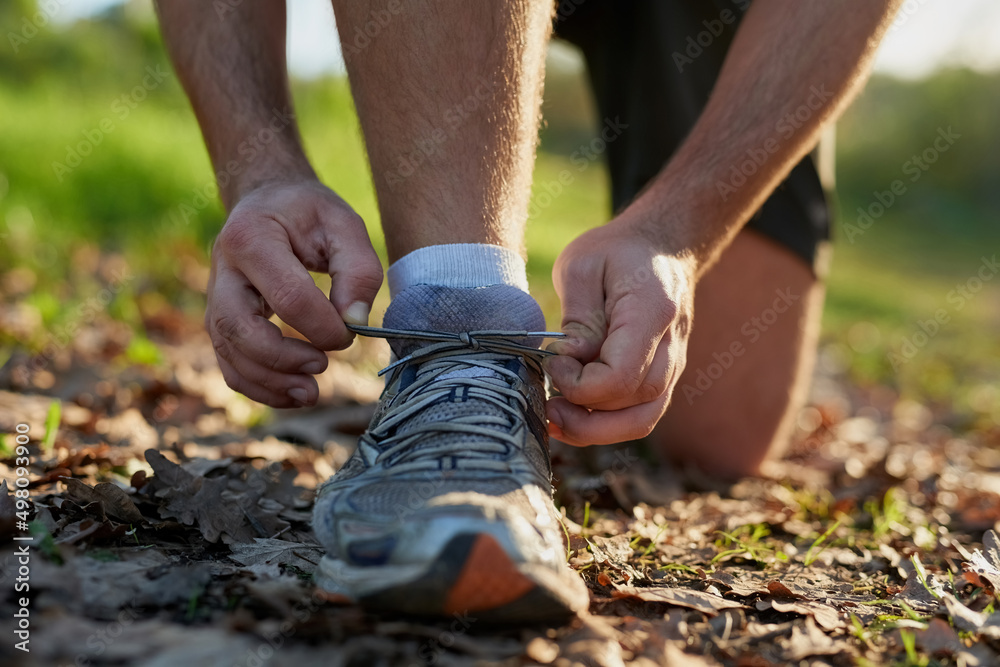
{"type": "Point", "coordinates": [356, 274]}
{"type": "Point", "coordinates": [584, 320]}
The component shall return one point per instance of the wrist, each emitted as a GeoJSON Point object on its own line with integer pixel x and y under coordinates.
{"type": "Point", "coordinates": [682, 217]}
{"type": "Point", "coordinates": [663, 225]}
{"type": "Point", "coordinates": [237, 179]}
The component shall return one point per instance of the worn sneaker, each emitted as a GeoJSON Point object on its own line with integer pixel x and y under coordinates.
{"type": "Point", "coordinates": [446, 505]}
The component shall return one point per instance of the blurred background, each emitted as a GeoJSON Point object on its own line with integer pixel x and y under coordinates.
{"type": "Point", "coordinates": [108, 205]}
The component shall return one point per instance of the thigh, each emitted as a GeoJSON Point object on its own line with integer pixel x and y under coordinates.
{"type": "Point", "coordinates": [750, 359]}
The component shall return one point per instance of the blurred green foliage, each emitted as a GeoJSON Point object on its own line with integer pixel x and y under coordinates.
{"type": "Point", "coordinates": [87, 88]}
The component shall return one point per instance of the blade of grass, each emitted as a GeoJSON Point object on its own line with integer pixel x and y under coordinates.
{"type": "Point", "coordinates": [51, 426]}
{"type": "Point", "coordinates": [810, 556]}
{"type": "Point", "coordinates": [652, 545]}
{"type": "Point", "coordinates": [921, 573]}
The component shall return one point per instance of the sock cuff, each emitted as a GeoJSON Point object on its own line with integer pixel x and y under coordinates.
{"type": "Point", "coordinates": [458, 265]}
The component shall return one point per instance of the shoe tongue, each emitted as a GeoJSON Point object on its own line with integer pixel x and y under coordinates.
{"type": "Point", "coordinates": [458, 310]}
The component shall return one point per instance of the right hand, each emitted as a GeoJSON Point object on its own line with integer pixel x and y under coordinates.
{"type": "Point", "coordinates": [261, 260]}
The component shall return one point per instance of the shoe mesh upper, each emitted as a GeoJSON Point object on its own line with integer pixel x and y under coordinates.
{"type": "Point", "coordinates": [460, 425]}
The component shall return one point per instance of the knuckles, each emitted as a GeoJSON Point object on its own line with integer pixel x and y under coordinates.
{"type": "Point", "coordinates": [368, 277]}
{"type": "Point", "coordinates": [650, 391]}
{"type": "Point", "coordinates": [229, 329]}
{"type": "Point", "coordinates": [289, 299]}
{"type": "Point", "coordinates": [237, 237]}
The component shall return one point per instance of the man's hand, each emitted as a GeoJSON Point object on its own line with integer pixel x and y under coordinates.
{"type": "Point", "coordinates": [627, 309]}
{"type": "Point", "coordinates": [626, 291]}
{"type": "Point", "coordinates": [274, 236]}
{"type": "Point", "coordinates": [283, 223]}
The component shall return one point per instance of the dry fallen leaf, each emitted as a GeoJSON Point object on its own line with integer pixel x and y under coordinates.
{"type": "Point", "coordinates": [737, 585]}
{"type": "Point", "coordinates": [808, 640]}
{"type": "Point", "coordinates": [779, 590]}
{"type": "Point", "coordinates": [277, 552]}
{"type": "Point", "coordinates": [986, 563]}
{"type": "Point", "coordinates": [115, 502]}
{"type": "Point", "coordinates": [208, 503]}
{"type": "Point", "coordinates": [706, 603]}
{"type": "Point", "coordinates": [971, 621]}
{"type": "Point", "coordinates": [615, 552]}
{"type": "Point", "coordinates": [826, 616]}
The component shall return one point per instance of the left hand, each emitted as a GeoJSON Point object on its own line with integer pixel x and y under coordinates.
{"type": "Point", "coordinates": [627, 312]}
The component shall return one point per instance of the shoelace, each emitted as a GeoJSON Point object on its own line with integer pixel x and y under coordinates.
{"type": "Point", "coordinates": [451, 355]}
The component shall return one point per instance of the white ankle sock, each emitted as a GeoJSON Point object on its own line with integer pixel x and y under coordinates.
{"type": "Point", "coordinates": [458, 265]}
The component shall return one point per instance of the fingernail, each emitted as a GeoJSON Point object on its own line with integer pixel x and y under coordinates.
{"type": "Point", "coordinates": [312, 367]}
{"type": "Point", "coordinates": [299, 395]}
{"type": "Point", "coordinates": [357, 313]}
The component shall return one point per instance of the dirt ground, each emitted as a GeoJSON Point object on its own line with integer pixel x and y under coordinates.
{"type": "Point", "coordinates": [169, 525]}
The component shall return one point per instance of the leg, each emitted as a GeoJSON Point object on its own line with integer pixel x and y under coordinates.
{"type": "Point", "coordinates": [746, 414]}
{"type": "Point", "coordinates": [448, 96]}
{"type": "Point", "coordinates": [446, 505]}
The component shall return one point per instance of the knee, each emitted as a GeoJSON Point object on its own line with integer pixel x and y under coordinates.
{"type": "Point", "coordinates": [723, 455]}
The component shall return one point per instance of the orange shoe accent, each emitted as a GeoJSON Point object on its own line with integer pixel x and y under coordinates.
{"type": "Point", "coordinates": [488, 580]}
{"type": "Point", "coordinates": [332, 598]}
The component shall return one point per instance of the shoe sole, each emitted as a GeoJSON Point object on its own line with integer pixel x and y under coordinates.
{"type": "Point", "coordinates": [472, 575]}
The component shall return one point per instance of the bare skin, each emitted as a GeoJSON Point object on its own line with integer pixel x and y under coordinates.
{"type": "Point", "coordinates": [282, 223]}
{"type": "Point", "coordinates": [449, 97]}
{"type": "Point", "coordinates": [628, 288]}
{"type": "Point", "coordinates": [746, 415]}
{"type": "Point", "coordinates": [618, 370]}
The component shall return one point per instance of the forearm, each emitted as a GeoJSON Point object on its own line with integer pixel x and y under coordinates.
{"type": "Point", "coordinates": [232, 66]}
{"type": "Point", "coordinates": [793, 67]}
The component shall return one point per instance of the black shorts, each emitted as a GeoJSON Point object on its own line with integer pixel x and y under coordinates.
{"type": "Point", "coordinates": [653, 63]}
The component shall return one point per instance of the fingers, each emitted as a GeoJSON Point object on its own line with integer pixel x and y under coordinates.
{"type": "Point", "coordinates": [622, 375]}
{"type": "Point", "coordinates": [259, 361]}
{"type": "Point", "coordinates": [262, 393]}
{"type": "Point", "coordinates": [261, 251]}
{"type": "Point", "coordinates": [575, 425]}
{"type": "Point", "coordinates": [356, 272]}
{"type": "Point", "coordinates": [578, 425]}
{"type": "Point", "coordinates": [581, 293]}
